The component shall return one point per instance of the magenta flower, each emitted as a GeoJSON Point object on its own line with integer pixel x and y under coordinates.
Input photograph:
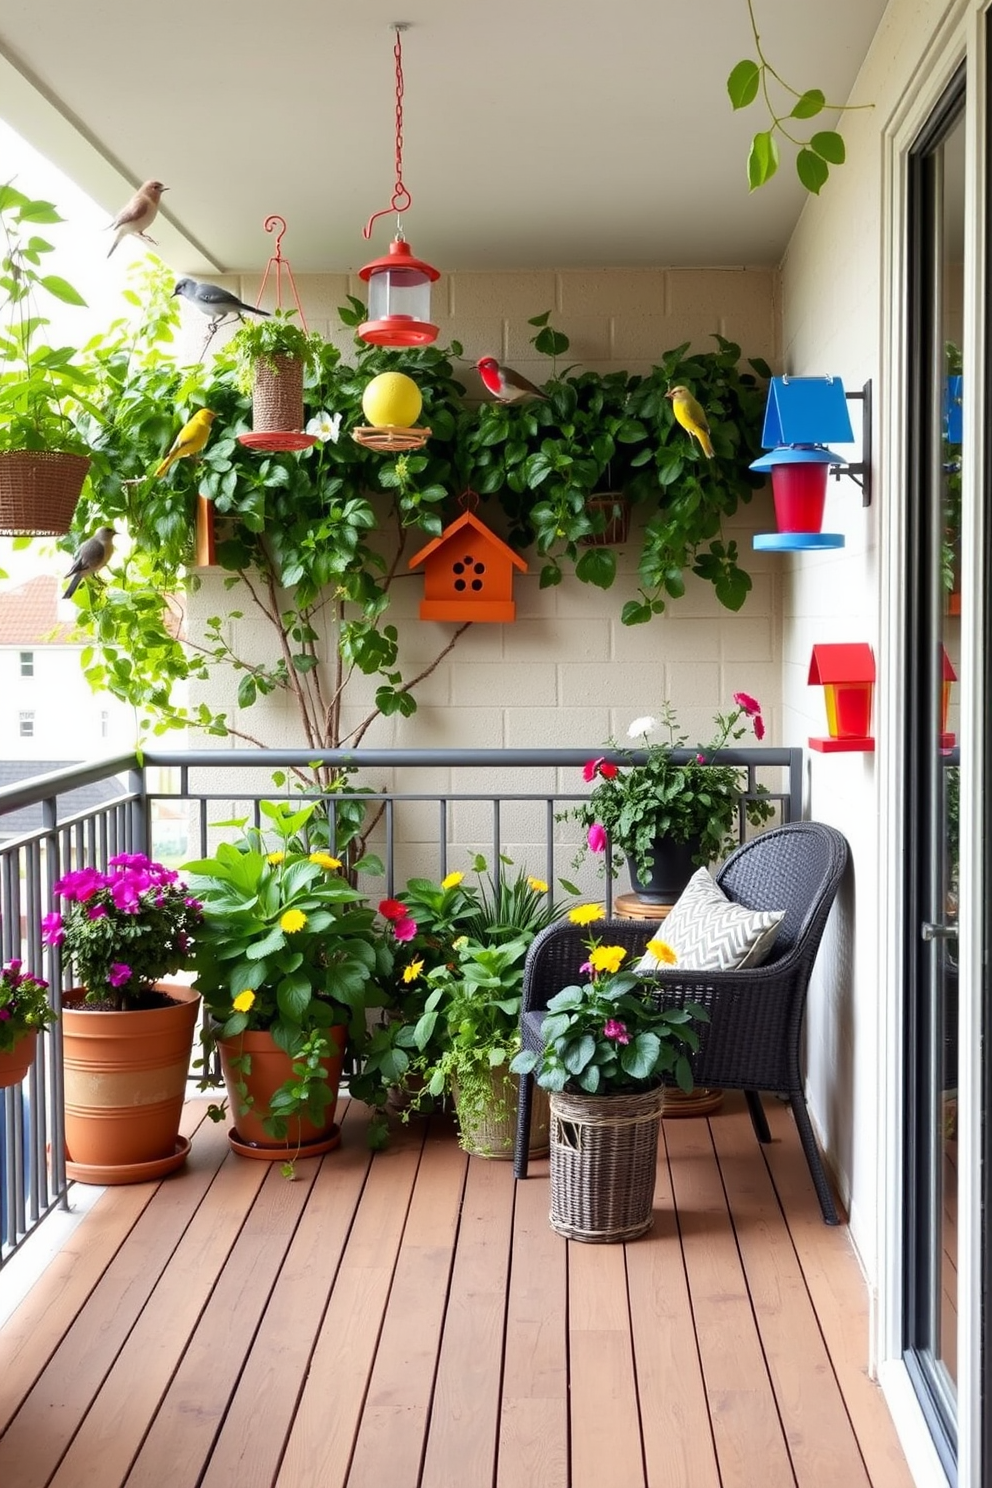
{"type": "Point", "coordinates": [96, 912]}
{"type": "Point", "coordinates": [750, 705]}
{"type": "Point", "coordinates": [118, 974]}
{"type": "Point", "coordinates": [759, 727]}
{"type": "Point", "coordinates": [615, 1030]}
{"type": "Point", "coordinates": [80, 885]}
{"type": "Point", "coordinates": [4, 1014]}
{"type": "Point", "coordinates": [591, 769]}
{"type": "Point", "coordinates": [700, 759]}
{"type": "Point", "coordinates": [587, 968]}
{"type": "Point", "coordinates": [405, 929]}
{"type": "Point", "coordinates": [596, 838]}
{"type": "Point", "coordinates": [52, 929]}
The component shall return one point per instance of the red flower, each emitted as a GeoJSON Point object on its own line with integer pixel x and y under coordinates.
{"type": "Point", "coordinates": [600, 766]}
{"type": "Point", "coordinates": [392, 909]}
{"type": "Point", "coordinates": [608, 771]}
{"type": "Point", "coordinates": [750, 705]}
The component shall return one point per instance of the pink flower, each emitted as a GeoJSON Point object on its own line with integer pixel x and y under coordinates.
{"type": "Point", "coordinates": [586, 968]}
{"type": "Point", "coordinates": [405, 929]}
{"type": "Point", "coordinates": [759, 727]}
{"type": "Point", "coordinates": [52, 930]}
{"type": "Point", "coordinates": [750, 705]}
{"type": "Point", "coordinates": [4, 1015]}
{"type": "Point", "coordinates": [596, 838]}
{"type": "Point", "coordinates": [615, 1030]}
{"type": "Point", "coordinates": [119, 973]}
{"type": "Point", "coordinates": [700, 759]}
{"type": "Point", "coordinates": [591, 769]}
{"type": "Point", "coordinates": [96, 912]}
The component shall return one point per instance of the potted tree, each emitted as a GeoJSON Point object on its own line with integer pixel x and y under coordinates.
{"type": "Point", "coordinates": [43, 459]}
{"type": "Point", "coordinates": [287, 960]}
{"type": "Point", "coordinates": [24, 1012]}
{"type": "Point", "coordinates": [127, 1035]}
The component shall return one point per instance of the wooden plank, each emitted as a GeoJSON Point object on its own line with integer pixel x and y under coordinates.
{"type": "Point", "coordinates": [36, 1328]}
{"type": "Point", "coordinates": [604, 1425]}
{"type": "Point", "coordinates": [533, 1437]}
{"type": "Point", "coordinates": [94, 1337]}
{"type": "Point", "coordinates": [678, 1446]}
{"type": "Point", "coordinates": [391, 1436]}
{"type": "Point", "coordinates": [821, 1441]}
{"type": "Point", "coordinates": [747, 1434]}
{"type": "Point", "coordinates": [837, 1287]}
{"type": "Point", "coordinates": [462, 1435]}
{"type": "Point", "coordinates": [108, 1439]}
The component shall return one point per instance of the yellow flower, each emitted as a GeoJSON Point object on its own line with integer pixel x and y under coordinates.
{"type": "Point", "coordinates": [452, 881]}
{"type": "Point", "coordinates": [293, 920]}
{"type": "Point", "coordinates": [462, 940]}
{"type": "Point", "coordinates": [538, 885]}
{"type": "Point", "coordinates": [662, 951]}
{"type": "Point", "coordinates": [244, 1000]}
{"type": "Point", "coordinates": [275, 857]}
{"type": "Point", "coordinates": [411, 972]}
{"type": "Point", "coordinates": [325, 860]}
{"type": "Point", "coordinates": [606, 958]}
{"type": "Point", "coordinates": [584, 914]}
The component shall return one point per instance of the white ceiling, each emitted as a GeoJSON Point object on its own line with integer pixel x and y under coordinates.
{"type": "Point", "coordinates": [538, 133]}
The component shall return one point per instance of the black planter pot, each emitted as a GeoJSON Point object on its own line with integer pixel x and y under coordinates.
{"type": "Point", "coordinates": [672, 867]}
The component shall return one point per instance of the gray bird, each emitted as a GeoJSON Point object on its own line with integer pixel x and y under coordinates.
{"type": "Point", "coordinates": [213, 301]}
{"type": "Point", "coordinates": [92, 554]}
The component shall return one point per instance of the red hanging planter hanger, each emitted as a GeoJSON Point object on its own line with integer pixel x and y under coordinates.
{"type": "Point", "coordinates": [283, 439]}
{"type": "Point", "coordinates": [399, 284]}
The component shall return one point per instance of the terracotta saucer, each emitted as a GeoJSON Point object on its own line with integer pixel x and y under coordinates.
{"type": "Point", "coordinates": [129, 1172]}
{"type": "Point", "coordinates": [285, 1154]}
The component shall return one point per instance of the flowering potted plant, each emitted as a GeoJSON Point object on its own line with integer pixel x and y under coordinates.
{"type": "Point", "coordinates": [24, 1012]}
{"type": "Point", "coordinates": [288, 959]}
{"type": "Point", "coordinates": [123, 931]}
{"type": "Point", "coordinates": [674, 797]}
{"type": "Point", "coordinates": [607, 1047]}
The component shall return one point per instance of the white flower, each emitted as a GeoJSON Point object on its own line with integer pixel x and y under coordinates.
{"type": "Point", "coordinates": [325, 426]}
{"type": "Point", "coordinates": [642, 726]}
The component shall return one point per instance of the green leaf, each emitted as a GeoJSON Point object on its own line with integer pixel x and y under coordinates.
{"type": "Point", "coordinates": [597, 566]}
{"type": "Point", "coordinates": [62, 290]}
{"type": "Point", "coordinates": [829, 144]}
{"type": "Point", "coordinates": [762, 162]}
{"type": "Point", "coordinates": [635, 612]}
{"type": "Point", "coordinates": [810, 103]}
{"type": "Point", "coordinates": [742, 84]}
{"type": "Point", "coordinates": [812, 171]}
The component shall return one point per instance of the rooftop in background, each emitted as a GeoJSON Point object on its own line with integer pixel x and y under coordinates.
{"type": "Point", "coordinates": [29, 818]}
{"type": "Point", "coordinates": [29, 615]}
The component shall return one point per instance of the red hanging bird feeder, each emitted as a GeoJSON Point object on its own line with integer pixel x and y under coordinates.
{"type": "Point", "coordinates": [399, 284]}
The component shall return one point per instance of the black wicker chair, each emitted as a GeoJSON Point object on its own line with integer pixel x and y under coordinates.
{"type": "Point", "coordinates": [752, 1042]}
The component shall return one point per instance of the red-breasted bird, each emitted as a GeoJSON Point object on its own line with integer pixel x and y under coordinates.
{"type": "Point", "coordinates": [691, 416]}
{"type": "Point", "coordinates": [139, 214]}
{"type": "Point", "coordinates": [91, 555]}
{"type": "Point", "coordinates": [505, 384]}
{"type": "Point", "coordinates": [214, 301]}
{"type": "Point", "coordinates": [190, 439]}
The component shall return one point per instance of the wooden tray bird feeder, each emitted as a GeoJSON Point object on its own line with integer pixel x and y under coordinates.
{"type": "Point", "coordinates": [468, 573]}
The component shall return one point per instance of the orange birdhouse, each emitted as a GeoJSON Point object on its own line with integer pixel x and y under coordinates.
{"type": "Point", "coordinates": [468, 574]}
{"type": "Point", "coordinates": [947, 676]}
{"type": "Point", "coordinates": [847, 675]}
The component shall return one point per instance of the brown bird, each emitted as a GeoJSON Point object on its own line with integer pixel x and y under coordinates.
{"type": "Point", "coordinates": [139, 214]}
{"type": "Point", "coordinates": [506, 385]}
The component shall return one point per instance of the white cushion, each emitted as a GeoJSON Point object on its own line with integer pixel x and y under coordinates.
{"type": "Point", "coordinates": [709, 932]}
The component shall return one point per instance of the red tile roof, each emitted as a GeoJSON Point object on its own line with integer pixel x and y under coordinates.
{"type": "Point", "coordinates": [28, 615]}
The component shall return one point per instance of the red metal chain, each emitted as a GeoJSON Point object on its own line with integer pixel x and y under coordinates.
{"type": "Point", "coordinates": [401, 196]}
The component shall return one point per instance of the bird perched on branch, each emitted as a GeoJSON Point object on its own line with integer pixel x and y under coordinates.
{"type": "Point", "coordinates": [691, 416]}
{"type": "Point", "coordinates": [506, 385]}
{"type": "Point", "coordinates": [190, 439]}
{"type": "Point", "coordinates": [139, 214]}
{"type": "Point", "coordinates": [214, 301]}
{"type": "Point", "coordinates": [91, 555]}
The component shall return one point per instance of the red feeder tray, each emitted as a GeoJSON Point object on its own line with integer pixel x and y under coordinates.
{"type": "Point", "coordinates": [278, 439]}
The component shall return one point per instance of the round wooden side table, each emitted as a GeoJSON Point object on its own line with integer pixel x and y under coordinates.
{"type": "Point", "coordinates": [703, 1100]}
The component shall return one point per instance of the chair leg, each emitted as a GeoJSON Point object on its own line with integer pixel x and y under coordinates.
{"type": "Point", "coordinates": [758, 1118]}
{"type": "Point", "coordinates": [521, 1150]}
{"type": "Point", "coordinates": [815, 1162]}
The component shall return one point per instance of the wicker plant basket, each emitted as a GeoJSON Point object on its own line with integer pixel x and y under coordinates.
{"type": "Point", "coordinates": [604, 1150]}
{"type": "Point", "coordinates": [492, 1133]}
{"type": "Point", "coordinates": [39, 490]}
{"type": "Point", "coordinates": [277, 395]}
{"type": "Point", "coordinates": [616, 509]}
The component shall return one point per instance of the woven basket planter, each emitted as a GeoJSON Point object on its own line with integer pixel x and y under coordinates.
{"type": "Point", "coordinates": [493, 1132]}
{"type": "Point", "coordinates": [604, 1151]}
{"type": "Point", "coordinates": [39, 490]}
{"type": "Point", "coordinates": [277, 395]}
{"type": "Point", "coordinates": [616, 508]}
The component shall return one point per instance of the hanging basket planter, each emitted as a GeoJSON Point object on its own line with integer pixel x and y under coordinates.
{"type": "Point", "coordinates": [277, 406]}
{"type": "Point", "coordinates": [604, 1152]}
{"type": "Point", "coordinates": [616, 512]}
{"type": "Point", "coordinates": [39, 490]}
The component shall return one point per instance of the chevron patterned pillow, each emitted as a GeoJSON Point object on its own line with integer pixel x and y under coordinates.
{"type": "Point", "coordinates": [709, 932]}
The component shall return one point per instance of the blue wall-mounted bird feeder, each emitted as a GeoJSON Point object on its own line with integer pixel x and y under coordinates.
{"type": "Point", "coordinates": [802, 416]}
{"type": "Point", "coordinates": [952, 410]}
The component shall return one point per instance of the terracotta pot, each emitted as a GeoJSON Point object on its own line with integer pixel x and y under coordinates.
{"type": "Point", "coordinates": [15, 1065]}
{"type": "Point", "coordinates": [270, 1068]}
{"type": "Point", "coordinates": [125, 1084]}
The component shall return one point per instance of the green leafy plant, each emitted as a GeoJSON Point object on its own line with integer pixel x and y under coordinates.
{"type": "Point", "coordinates": [608, 1035]}
{"type": "Point", "coordinates": [816, 153]}
{"type": "Point", "coordinates": [265, 339]}
{"type": "Point", "coordinates": [24, 1005]}
{"type": "Point", "coordinates": [634, 804]}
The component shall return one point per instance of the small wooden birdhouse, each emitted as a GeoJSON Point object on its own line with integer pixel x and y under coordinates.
{"type": "Point", "coordinates": [847, 675]}
{"type": "Point", "coordinates": [947, 676]}
{"type": "Point", "coordinates": [468, 574]}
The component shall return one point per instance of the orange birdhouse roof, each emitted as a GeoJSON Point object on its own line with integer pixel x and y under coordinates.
{"type": "Point", "coordinates": [468, 519]}
{"type": "Point", "coordinates": [846, 662]}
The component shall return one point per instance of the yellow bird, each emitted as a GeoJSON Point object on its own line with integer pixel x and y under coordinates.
{"type": "Point", "coordinates": [691, 416]}
{"type": "Point", "coordinates": [190, 439]}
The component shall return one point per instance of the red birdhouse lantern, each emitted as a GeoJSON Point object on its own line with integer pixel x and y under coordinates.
{"type": "Point", "coordinates": [947, 676]}
{"type": "Point", "coordinates": [468, 574]}
{"type": "Point", "coordinates": [847, 675]}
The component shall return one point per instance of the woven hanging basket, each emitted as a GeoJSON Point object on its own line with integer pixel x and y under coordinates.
{"type": "Point", "coordinates": [39, 490]}
{"type": "Point", "coordinates": [493, 1131]}
{"type": "Point", "coordinates": [277, 395]}
{"type": "Point", "coordinates": [604, 1151]}
{"type": "Point", "coordinates": [616, 509]}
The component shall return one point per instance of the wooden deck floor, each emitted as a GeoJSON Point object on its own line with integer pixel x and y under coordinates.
{"type": "Point", "coordinates": [411, 1321]}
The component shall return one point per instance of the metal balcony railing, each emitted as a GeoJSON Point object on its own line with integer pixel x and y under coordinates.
{"type": "Point", "coordinates": [428, 810]}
